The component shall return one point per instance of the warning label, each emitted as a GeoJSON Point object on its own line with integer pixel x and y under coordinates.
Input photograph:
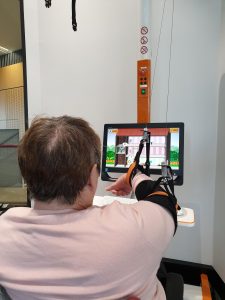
{"type": "Point", "coordinates": [144, 40]}
{"type": "Point", "coordinates": [144, 30]}
{"type": "Point", "coordinates": [144, 50]}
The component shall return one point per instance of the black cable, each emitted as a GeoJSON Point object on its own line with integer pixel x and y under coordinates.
{"type": "Point", "coordinates": [74, 21]}
{"type": "Point", "coordinates": [158, 44]}
{"type": "Point", "coordinates": [48, 3]}
{"type": "Point", "coordinates": [170, 59]}
{"type": "Point", "coordinates": [147, 163]}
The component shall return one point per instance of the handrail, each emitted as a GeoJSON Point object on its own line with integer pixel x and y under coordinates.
{"type": "Point", "coordinates": [12, 88]}
{"type": "Point", "coordinates": [8, 139]}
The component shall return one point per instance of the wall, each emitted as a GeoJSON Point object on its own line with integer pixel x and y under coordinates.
{"type": "Point", "coordinates": [92, 74]}
{"type": "Point", "coordinates": [94, 67]}
{"type": "Point", "coordinates": [219, 220]}
{"type": "Point", "coordinates": [12, 98]}
{"type": "Point", "coordinates": [192, 99]}
{"type": "Point", "coordinates": [11, 76]}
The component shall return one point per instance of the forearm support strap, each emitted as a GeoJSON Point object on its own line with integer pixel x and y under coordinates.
{"type": "Point", "coordinates": [131, 172]}
{"type": "Point", "coordinates": [144, 191]}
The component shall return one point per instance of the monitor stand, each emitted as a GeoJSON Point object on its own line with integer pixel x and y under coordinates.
{"type": "Point", "coordinates": [105, 177]}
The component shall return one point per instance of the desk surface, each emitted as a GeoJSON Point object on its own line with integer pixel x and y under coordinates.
{"type": "Point", "coordinates": [13, 195]}
{"type": "Point", "coordinates": [18, 196]}
{"type": "Point", "coordinates": [186, 218]}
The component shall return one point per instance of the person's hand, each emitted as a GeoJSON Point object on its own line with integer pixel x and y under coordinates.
{"type": "Point", "coordinates": [120, 187]}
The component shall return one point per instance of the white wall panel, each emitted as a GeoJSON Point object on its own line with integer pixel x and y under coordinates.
{"type": "Point", "coordinates": [219, 219]}
{"type": "Point", "coordinates": [92, 73]}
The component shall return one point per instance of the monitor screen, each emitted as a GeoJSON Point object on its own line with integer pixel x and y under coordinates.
{"type": "Point", "coordinates": [121, 143]}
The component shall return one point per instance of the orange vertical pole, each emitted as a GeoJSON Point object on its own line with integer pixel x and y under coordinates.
{"type": "Point", "coordinates": [206, 293]}
{"type": "Point", "coordinates": [144, 65]}
{"type": "Point", "coordinates": [143, 91]}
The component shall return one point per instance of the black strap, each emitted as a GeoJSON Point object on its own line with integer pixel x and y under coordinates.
{"type": "Point", "coordinates": [74, 21]}
{"type": "Point", "coordinates": [146, 168]}
{"type": "Point", "coordinates": [168, 202]}
{"type": "Point", "coordinates": [147, 187]}
{"type": "Point", "coordinates": [147, 163]}
{"type": "Point", "coordinates": [138, 154]}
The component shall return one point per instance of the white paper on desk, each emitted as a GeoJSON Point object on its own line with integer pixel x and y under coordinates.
{"type": "Point", "coordinates": [187, 218]}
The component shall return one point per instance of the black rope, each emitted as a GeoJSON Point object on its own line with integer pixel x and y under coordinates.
{"type": "Point", "coordinates": [74, 21]}
{"type": "Point", "coordinates": [48, 3]}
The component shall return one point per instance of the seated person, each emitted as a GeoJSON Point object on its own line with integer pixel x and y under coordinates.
{"type": "Point", "coordinates": [66, 248]}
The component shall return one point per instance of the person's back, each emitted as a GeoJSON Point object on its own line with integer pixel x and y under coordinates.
{"type": "Point", "coordinates": [65, 248]}
{"type": "Point", "coordinates": [97, 253]}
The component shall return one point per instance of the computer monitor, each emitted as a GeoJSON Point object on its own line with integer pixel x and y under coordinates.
{"type": "Point", "coordinates": [121, 143]}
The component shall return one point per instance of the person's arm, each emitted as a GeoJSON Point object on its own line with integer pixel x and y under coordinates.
{"type": "Point", "coordinates": [145, 189]}
{"type": "Point", "coordinates": [120, 187]}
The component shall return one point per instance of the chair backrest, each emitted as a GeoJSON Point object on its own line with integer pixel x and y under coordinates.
{"type": "Point", "coordinates": [3, 294]}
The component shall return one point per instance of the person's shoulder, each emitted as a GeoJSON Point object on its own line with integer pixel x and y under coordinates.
{"type": "Point", "coordinates": [124, 212]}
{"type": "Point", "coordinates": [143, 216]}
{"type": "Point", "coordinates": [131, 209]}
{"type": "Point", "coordinates": [15, 211]}
{"type": "Point", "coordinates": [134, 208]}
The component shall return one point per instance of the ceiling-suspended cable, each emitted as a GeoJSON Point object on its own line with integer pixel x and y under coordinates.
{"type": "Point", "coordinates": [170, 56]}
{"type": "Point", "coordinates": [158, 43]}
{"type": "Point", "coordinates": [170, 53]}
{"type": "Point", "coordinates": [74, 21]}
{"type": "Point", "coordinates": [48, 3]}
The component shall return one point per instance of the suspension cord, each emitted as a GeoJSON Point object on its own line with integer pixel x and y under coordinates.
{"type": "Point", "coordinates": [74, 21]}
{"type": "Point", "coordinates": [158, 43]}
{"type": "Point", "coordinates": [48, 3]}
{"type": "Point", "coordinates": [170, 58]}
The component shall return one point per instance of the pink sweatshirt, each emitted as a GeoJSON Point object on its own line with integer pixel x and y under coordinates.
{"type": "Point", "coordinates": [107, 252]}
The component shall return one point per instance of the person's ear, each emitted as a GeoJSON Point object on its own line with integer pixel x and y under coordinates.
{"type": "Point", "coordinates": [93, 178]}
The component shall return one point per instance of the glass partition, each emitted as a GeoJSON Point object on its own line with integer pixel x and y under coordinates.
{"type": "Point", "coordinates": [13, 105]}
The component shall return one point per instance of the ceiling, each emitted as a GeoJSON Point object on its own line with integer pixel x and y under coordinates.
{"type": "Point", "coordinates": [10, 31]}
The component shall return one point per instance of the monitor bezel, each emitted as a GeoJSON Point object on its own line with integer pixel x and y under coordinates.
{"type": "Point", "coordinates": [178, 173]}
